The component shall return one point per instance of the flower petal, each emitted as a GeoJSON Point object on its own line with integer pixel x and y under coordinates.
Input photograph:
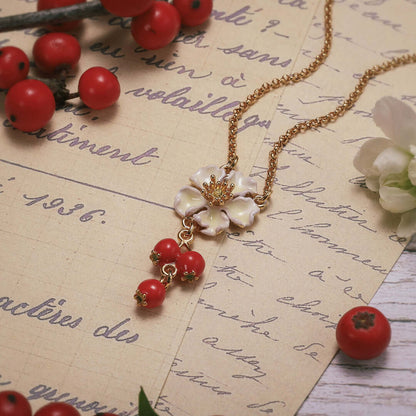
{"type": "Point", "coordinates": [397, 120]}
{"type": "Point", "coordinates": [373, 183]}
{"type": "Point", "coordinates": [407, 226]}
{"type": "Point", "coordinates": [392, 160]}
{"type": "Point", "coordinates": [212, 220]}
{"type": "Point", "coordinates": [241, 211]}
{"type": "Point", "coordinates": [243, 185]}
{"type": "Point", "coordinates": [368, 153]}
{"type": "Point", "coordinates": [396, 200]}
{"type": "Point", "coordinates": [412, 171]}
{"type": "Point", "coordinates": [203, 175]}
{"type": "Point", "coordinates": [188, 201]}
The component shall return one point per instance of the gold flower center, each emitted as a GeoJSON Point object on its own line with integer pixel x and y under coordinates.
{"type": "Point", "coordinates": [217, 193]}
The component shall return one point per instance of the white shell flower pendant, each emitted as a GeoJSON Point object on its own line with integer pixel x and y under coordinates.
{"type": "Point", "coordinates": [217, 198]}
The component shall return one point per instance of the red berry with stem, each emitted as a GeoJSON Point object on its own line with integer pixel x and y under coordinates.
{"type": "Point", "coordinates": [98, 88]}
{"type": "Point", "coordinates": [190, 265]}
{"type": "Point", "coordinates": [363, 333]}
{"type": "Point", "coordinates": [55, 52]}
{"type": "Point", "coordinates": [52, 4]}
{"type": "Point", "coordinates": [193, 12]}
{"type": "Point", "coordinates": [13, 403]}
{"type": "Point", "coordinates": [165, 251]}
{"type": "Point", "coordinates": [127, 8]}
{"type": "Point", "coordinates": [14, 66]}
{"type": "Point", "coordinates": [157, 27]}
{"type": "Point", "coordinates": [57, 409]}
{"type": "Point", "coordinates": [29, 105]}
{"type": "Point", "coordinates": [150, 293]}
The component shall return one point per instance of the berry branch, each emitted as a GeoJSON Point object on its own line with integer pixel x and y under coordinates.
{"type": "Point", "coordinates": [56, 15]}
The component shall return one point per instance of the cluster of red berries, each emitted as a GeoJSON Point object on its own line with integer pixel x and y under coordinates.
{"type": "Point", "coordinates": [187, 265]}
{"type": "Point", "coordinates": [31, 103]}
{"type": "Point", "coordinates": [13, 403]}
{"type": "Point", "coordinates": [155, 23]}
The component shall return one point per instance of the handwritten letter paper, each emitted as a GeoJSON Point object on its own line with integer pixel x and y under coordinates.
{"type": "Point", "coordinates": [83, 201]}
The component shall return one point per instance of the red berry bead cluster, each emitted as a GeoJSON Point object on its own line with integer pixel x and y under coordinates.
{"type": "Point", "coordinates": [31, 103]}
{"type": "Point", "coordinates": [156, 23]}
{"type": "Point", "coordinates": [188, 266]}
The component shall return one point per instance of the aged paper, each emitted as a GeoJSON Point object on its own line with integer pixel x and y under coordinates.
{"type": "Point", "coordinates": [83, 201]}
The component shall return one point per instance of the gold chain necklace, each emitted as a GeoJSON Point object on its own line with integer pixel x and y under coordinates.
{"type": "Point", "coordinates": [220, 195]}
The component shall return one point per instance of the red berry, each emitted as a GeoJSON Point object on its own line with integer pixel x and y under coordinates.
{"type": "Point", "coordinates": [363, 333]}
{"type": "Point", "coordinates": [98, 88]}
{"type": "Point", "coordinates": [54, 52]}
{"type": "Point", "coordinates": [165, 251]}
{"type": "Point", "coordinates": [14, 66]}
{"type": "Point", "coordinates": [51, 4]}
{"type": "Point", "coordinates": [150, 293]}
{"type": "Point", "coordinates": [57, 409]}
{"type": "Point", "coordinates": [13, 403]}
{"type": "Point", "coordinates": [157, 27]}
{"type": "Point", "coordinates": [190, 265]}
{"type": "Point", "coordinates": [193, 12]}
{"type": "Point", "coordinates": [29, 105]}
{"type": "Point", "coordinates": [127, 8]}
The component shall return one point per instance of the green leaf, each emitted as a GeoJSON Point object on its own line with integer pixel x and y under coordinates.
{"type": "Point", "coordinates": [144, 406]}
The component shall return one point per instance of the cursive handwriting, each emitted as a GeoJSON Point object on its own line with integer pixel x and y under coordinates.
{"type": "Point", "coordinates": [56, 204]}
{"type": "Point", "coordinates": [200, 379]}
{"type": "Point", "coordinates": [253, 326]}
{"type": "Point", "coordinates": [4, 383]}
{"type": "Point", "coordinates": [310, 349]}
{"type": "Point", "coordinates": [42, 391]}
{"type": "Point", "coordinates": [308, 308]}
{"type": "Point", "coordinates": [239, 355]}
{"type": "Point", "coordinates": [113, 333]}
{"type": "Point", "coordinates": [254, 55]}
{"type": "Point", "coordinates": [66, 135]}
{"type": "Point", "coordinates": [240, 17]}
{"type": "Point", "coordinates": [47, 310]}
{"type": "Point", "coordinates": [247, 239]}
{"type": "Point", "coordinates": [313, 231]}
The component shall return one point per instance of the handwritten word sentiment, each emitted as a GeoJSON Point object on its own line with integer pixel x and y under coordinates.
{"type": "Point", "coordinates": [67, 136]}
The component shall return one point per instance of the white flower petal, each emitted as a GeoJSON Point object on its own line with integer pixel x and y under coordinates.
{"type": "Point", "coordinates": [412, 171]}
{"type": "Point", "coordinates": [212, 220]}
{"type": "Point", "coordinates": [392, 160]}
{"type": "Point", "coordinates": [242, 184]}
{"type": "Point", "coordinates": [241, 211]}
{"type": "Point", "coordinates": [203, 175]}
{"type": "Point", "coordinates": [413, 149]}
{"type": "Point", "coordinates": [396, 200]}
{"type": "Point", "coordinates": [368, 153]}
{"type": "Point", "coordinates": [407, 226]}
{"type": "Point", "coordinates": [188, 201]}
{"type": "Point", "coordinates": [397, 120]}
{"type": "Point", "coordinates": [373, 183]}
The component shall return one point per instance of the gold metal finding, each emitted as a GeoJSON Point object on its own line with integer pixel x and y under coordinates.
{"type": "Point", "coordinates": [283, 140]}
{"type": "Point", "coordinates": [217, 193]}
{"type": "Point", "coordinates": [168, 273]}
{"type": "Point", "coordinates": [186, 234]}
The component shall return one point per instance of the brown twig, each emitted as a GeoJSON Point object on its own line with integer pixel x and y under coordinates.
{"type": "Point", "coordinates": [57, 15]}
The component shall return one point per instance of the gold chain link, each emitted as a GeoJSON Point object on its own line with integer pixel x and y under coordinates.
{"type": "Point", "coordinates": [313, 123]}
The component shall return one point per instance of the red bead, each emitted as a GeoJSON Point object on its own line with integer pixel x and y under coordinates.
{"type": "Point", "coordinates": [190, 265]}
{"type": "Point", "coordinates": [13, 403]}
{"type": "Point", "coordinates": [165, 251]}
{"type": "Point", "coordinates": [150, 293]}
{"type": "Point", "coordinates": [193, 12]}
{"type": "Point", "coordinates": [98, 88]}
{"type": "Point", "coordinates": [54, 52]}
{"type": "Point", "coordinates": [127, 8]}
{"type": "Point", "coordinates": [157, 27]}
{"type": "Point", "coordinates": [51, 4]}
{"type": "Point", "coordinates": [29, 105]}
{"type": "Point", "coordinates": [57, 409]}
{"type": "Point", "coordinates": [14, 66]}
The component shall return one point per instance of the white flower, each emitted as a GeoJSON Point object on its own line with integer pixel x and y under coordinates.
{"type": "Point", "coordinates": [216, 198]}
{"type": "Point", "coordinates": [390, 164]}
